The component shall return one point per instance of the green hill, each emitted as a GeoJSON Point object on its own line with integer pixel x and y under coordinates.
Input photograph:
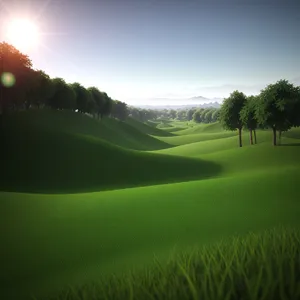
{"type": "Point", "coordinates": [201, 128]}
{"type": "Point", "coordinates": [110, 130]}
{"type": "Point", "coordinates": [193, 138]}
{"type": "Point", "coordinates": [53, 241]}
{"type": "Point", "coordinates": [147, 129]}
{"type": "Point", "coordinates": [46, 153]}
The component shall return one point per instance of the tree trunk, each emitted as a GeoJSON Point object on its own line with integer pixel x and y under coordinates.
{"type": "Point", "coordinates": [255, 140]}
{"type": "Point", "coordinates": [279, 137]}
{"type": "Point", "coordinates": [251, 137]}
{"type": "Point", "coordinates": [274, 136]}
{"type": "Point", "coordinates": [240, 137]}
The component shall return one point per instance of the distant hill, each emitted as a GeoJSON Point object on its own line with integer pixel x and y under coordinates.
{"type": "Point", "coordinates": [183, 103]}
{"type": "Point", "coordinates": [180, 106]}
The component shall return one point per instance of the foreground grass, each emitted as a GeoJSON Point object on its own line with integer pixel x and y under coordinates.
{"type": "Point", "coordinates": [51, 241]}
{"type": "Point", "coordinates": [256, 266]}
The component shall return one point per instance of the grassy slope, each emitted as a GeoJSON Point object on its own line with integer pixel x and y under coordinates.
{"type": "Point", "coordinates": [56, 240]}
{"type": "Point", "coordinates": [195, 128]}
{"type": "Point", "coordinates": [192, 138]}
{"type": "Point", "coordinates": [204, 146]}
{"type": "Point", "coordinates": [110, 130]}
{"type": "Point", "coordinates": [147, 129]}
{"type": "Point", "coordinates": [71, 238]}
{"type": "Point", "coordinates": [40, 159]}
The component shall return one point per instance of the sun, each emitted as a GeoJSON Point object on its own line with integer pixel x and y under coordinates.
{"type": "Point", "coordinates": [22, 34]}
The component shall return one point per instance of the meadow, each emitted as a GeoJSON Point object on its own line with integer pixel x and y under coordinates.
{"type": "Point", "coordinates": [157, 210]}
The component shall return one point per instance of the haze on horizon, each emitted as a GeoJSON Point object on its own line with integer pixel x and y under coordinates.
{"type": "Point", "coordinates": [138, 51]}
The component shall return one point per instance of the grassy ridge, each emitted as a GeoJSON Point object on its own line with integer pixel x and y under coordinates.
{"type": "Point", "coordinates": [201, 128]}
{"type": "Point", "coordinates": [193, 138]}
{"type": "Point", "coordinates": [51, 241]}
{"type": "Point", "coordinates": [110, 130]}
{"type": "Point", "coordinates": [55, 159]}
{"type": "Point", "coordinates": [147, 129]}
{"type": "Point", "coordinates": [64, 163]}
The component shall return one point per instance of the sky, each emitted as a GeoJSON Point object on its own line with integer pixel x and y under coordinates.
{"type": "Point", "coordinates": [141, 50]}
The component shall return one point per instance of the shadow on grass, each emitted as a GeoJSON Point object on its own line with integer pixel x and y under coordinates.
{"type": "Point", "coordinates": [291, 144]}
{"type": "Point", "coordinates": [45, 162]}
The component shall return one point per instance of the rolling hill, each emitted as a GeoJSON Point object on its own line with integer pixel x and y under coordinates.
{"type": "Point", "coordinates": [77, 203]}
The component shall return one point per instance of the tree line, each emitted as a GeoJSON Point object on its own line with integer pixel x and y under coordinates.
{"type": "Point", "coordinates": [277, 107]}
{"type": "Point", "coordinates": [199, 115]}
{"type": "Point", "coordinates": [23, 87]}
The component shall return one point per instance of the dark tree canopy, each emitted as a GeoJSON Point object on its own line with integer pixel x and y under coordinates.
{"type": "Point", "coordinates": [276, 107]}
{"type": "Point", "coordinates": [247, 114]}
{"type": "Point", "coordinates": [83, 97]}
{"type": "Point", "coordinates": [119, 110]}
{"type": "Point", "coordinates": [41, 89]}
{"type": "Point", "coordinates": [64, 96]}
{"type": "Point", "coordinates": [15, 74]}
{"type": "Point", "coordinates": [230, 112]}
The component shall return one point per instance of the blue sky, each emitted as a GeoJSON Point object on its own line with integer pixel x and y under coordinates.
{"type": "Point", "coordinates": [141, 49]}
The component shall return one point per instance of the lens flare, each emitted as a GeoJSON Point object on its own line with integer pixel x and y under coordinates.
{"type": "Point", "coordinates": [8, 79]}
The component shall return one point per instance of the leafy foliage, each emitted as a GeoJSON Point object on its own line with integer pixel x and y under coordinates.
{"type": "Point", "coordinates": [277, 107]}
{"type": "Point", "coordinates": [64, 96]}
{"type": "Point", "coordinates": [19, 66]}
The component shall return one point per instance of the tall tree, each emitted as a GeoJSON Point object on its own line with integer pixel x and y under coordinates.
{"type": "Point", "coordinates": [83, 97]}
{"type": "Point", "coordinates": [119, 110]}
{"type": "Point", "coordinates": [295, 115]}
{"type": "Point", "coordinates": [98, 98]}
{"type": "Point", "coordinates": [215, 115]}
{"type": "Point", "coordinates": [64, 96]}
{"type": "Point", "coordinates": [14, 70]}
{"type": "Point", "coordinates": [275, 107]}
{"type": "Point", "coordinates": [247, 116]}
{"type": "Point", "coordinates": [190, 113]}
{"type": "Point", "coordinates": [230, 112]}
{"type": "Point", "coordinates": [107, 105]}
{"type": "Point", "coordinates": [40, 90]}
{"type": "Point", "coordinates": [181, 115]}
{"type": "Point", "coordinates": [208, 115]}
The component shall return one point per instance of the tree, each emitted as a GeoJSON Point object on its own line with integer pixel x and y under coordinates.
{"type": "Point", "coordinates": [181, 115]}
{"type": "Point", "coordinates": [203, 112]}
{"type": "Point", "coordinates": [15, 68]}
{"type": "Point", "coordinates": [215, 115]}
{"type": "Point", "coordinates": [64, 96]}
{"type": "Point", "coordinates": [83, 97]}
{"type": "Point", "coordinates": [190, 114]}
{"type": "Point", "coordinates": [40, 90]}
{"type": "Point", "coordinates": [208, 115]}
{"type": "Point", "coordinates": [230, 112]}
{"type": "Point", "coordinates": [276, 106]}
{"type": "Point", "coordinates": [197, 116]}
{"type": "Point", "coordinates": [247, 116]}
{"type": "Point", "coordinates": [173, 114]}
{"type": "Point", "coordinates": [295, 115]}
{"type": "Point", "coordinates": [119, 110]}
{"type": "Point", "coordinates": [107, 105]}
{"type": "Point", "coordinates": [99, 100]}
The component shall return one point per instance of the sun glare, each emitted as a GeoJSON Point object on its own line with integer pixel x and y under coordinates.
{"type": "Point", "coordinates": [22, 33]}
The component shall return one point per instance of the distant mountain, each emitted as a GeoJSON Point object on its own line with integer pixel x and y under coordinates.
{"type": "Point", "coordinates": [163, 103]}
{"type": "Point", "coordinates": [179, 107]}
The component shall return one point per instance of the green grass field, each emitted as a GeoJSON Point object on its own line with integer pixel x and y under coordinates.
{"type": "Point", "coordinates": [83, 199]}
